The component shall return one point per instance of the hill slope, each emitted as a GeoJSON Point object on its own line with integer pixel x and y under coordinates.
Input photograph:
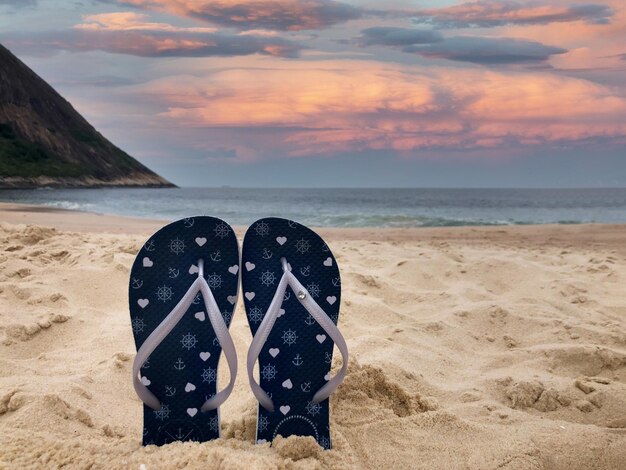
{"type": "Point", "coordinates": [44, 141]}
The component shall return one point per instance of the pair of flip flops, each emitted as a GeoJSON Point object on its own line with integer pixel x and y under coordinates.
{"type": "Point", "coordinates": [183, 291]}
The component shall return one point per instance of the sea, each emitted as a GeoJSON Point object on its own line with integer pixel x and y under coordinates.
{"type": "Point", "coordinates": [346, 207]}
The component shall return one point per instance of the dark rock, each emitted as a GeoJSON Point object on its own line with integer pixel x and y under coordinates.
{"type": "Point", "coordinates": [44, 141]}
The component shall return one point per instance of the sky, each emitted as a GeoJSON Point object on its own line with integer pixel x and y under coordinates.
{"type": "Point", "coordinates": [333, 93]}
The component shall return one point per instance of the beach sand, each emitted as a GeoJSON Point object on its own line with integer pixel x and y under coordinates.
{"type": "Point", "coordinates": [497, 347]}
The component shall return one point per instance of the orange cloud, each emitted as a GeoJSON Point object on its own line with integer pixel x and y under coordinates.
{"type": "Point", "coordinates": [347, 107]}
{"type": "Point", "coordinates": [285, 15]}
{"type": "Point", "coordinates": [129, 21]}
{"type": "Point", "coordinates": [130, 33]}
{"type": "Point", "coordinates": [590, 45]}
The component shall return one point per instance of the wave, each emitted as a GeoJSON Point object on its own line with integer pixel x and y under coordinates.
{"type": "Point", "coordinates": [410, 221]}
{"type": "Point", "coordinates": [73, 206]}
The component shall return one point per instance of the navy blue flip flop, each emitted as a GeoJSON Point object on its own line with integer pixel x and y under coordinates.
{"type": "Point", "coordinates": [292, 293]}
{"type": "Point", "coordinates": [182, 295]}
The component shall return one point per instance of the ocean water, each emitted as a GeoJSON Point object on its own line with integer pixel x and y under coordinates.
{"type": "Point", "coordinates": [346, 207]}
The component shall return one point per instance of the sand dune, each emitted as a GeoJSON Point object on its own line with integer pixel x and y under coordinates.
{"type": "Point", "coordinates": [471, 348]}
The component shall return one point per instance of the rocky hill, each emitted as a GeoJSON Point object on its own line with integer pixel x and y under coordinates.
{"type": "Point", "coordinates": [44, 141]}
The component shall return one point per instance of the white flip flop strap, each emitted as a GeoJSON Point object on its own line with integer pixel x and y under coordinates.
{"type": "Point", "coordinates": [259, 341]}
{"type": "Point", "coordinates": [267, 324]}
{"type": "Point", "coordinates": [329, 327]}
{"type": "Point", "coordinates": [167, 325]}
{"type": "Point", "coordinates": [226, 342]}
{"type": "Point", "coordinates": [156, 337]}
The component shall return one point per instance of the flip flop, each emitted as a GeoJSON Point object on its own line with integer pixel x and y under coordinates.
{"type": "Point", "coordinates": [292, 290]}
{"type": "Point", "coordinates": [182, 294]}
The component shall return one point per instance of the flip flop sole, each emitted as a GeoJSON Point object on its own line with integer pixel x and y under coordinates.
{"type": "Point", "coordinates": [182, 371]}
{"type": "Point", "coordinates": [295, 360]}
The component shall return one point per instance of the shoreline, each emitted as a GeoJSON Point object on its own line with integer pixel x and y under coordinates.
{"type": "Point", "coordinates": [608, 236]}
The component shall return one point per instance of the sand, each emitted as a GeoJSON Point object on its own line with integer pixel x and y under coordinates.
{"type": "Point", "coordinates": [501, 347]}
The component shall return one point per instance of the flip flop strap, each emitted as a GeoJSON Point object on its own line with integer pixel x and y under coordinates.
{"type": "Point", "coordinates": [167, 325]}
{"type": "Point", "coordinates": [263, 332]}
{"type": "Point", "coordinates": [226, 342]}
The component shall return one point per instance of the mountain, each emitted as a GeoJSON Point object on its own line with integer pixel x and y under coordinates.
{"type": "Point", "coordinates": [44, 141]}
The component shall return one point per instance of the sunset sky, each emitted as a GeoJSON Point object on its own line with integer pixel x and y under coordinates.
{"type": "Point", "coordinates": [334, 93]}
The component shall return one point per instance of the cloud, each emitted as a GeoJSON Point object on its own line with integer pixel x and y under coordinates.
{"type": "Point", "coordinates": [282, 15]}
{"type": "Point", "coordinates": [391, 108]}
{"type": "Point", "coordinates": [486, 51]}
{"type": "Point", "coordinates": [394, 36]}
{"type": "Point", "coordinates": [478, 50]}
{"type": "Point", "coordinates": [128, 33]}
{"type": "Point", "coordinates": [130, 21]}
{"type": "Point", "coordinates": [491, 13]}
{"type": "Point", "coordinates": [18, 3]}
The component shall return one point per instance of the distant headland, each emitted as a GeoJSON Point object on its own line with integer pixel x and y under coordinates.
{"type": "Point", "coordinates": [45, 142]}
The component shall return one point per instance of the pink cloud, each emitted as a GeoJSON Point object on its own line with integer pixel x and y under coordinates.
{"type": "Point", "coordinates": [489, 13]}
{"type": "Point", "coordinates": [590, 46]}
{"type": "Point", "coordinates": [130, 33]}
{"type": "Point", "coordinates": [336, 107]}
{"type": "Point", "coordinates": [284, 15]}
{"type": "Point", "coordinates": [130, 21]}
